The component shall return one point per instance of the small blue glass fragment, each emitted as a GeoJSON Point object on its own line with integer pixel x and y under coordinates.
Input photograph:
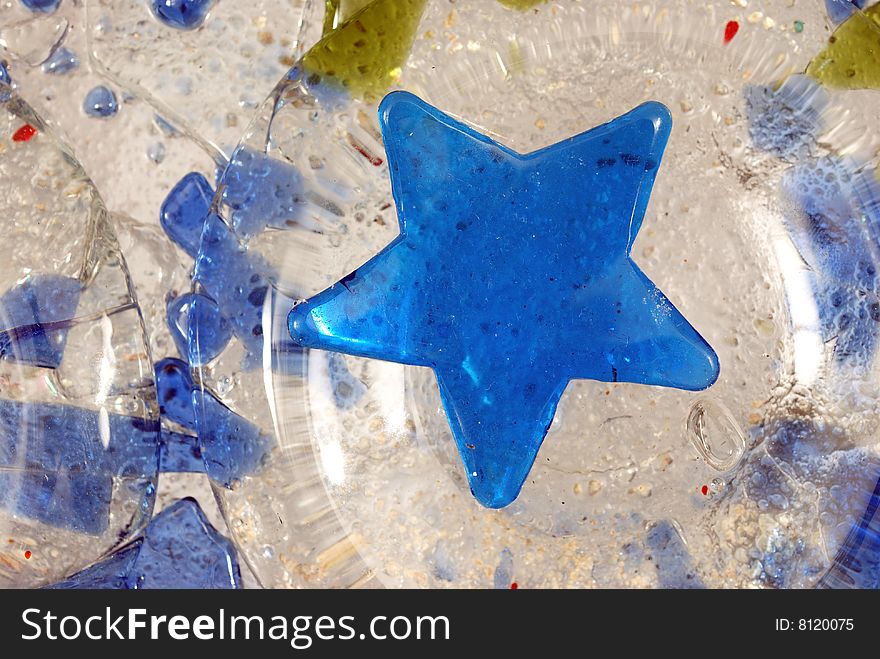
{"type": "Point", "coordinates": [834, 222]}
{"type": "Point", "coordinates": [181, 14]}
{"type": "Point", "coordinates": [182, 550]}
{"type": "Point", "coordinates": [174, 387]}
{"type": "Point", "coordinates": [511, 276]}
{"type": "Point", "coordinates": [347, 389]}
{"type": "Point", "coordinates": [55, 468]}
{"type": "Point", "coordinates": [184, 210]}
{"type": "Point", "coordinates": [503, 576]}
{"type": "Point", "coordinates": [36, 316]}
{"type": "Point", "coordinates": [179, 549]}
{"type": "Point", "coordinates": [214, 331]}
{"type": "Point", "coordinates": [261, 191]}
{"type": "Point", "coordinates": [4, 74]}
{"type": "Point", "coordinates": [41, 6]}
{"type": "Point", "coordinates": [179, 453]}
{"type": "Point", "coordinates": [442, 566]}
{"type": "Point", "coordinates": [786, 120]}
{"type": "Point", "coordinates": [840, 10]}
{"type": "Point", "coordinates": [671, 558]}
{"type": "Point", "coordinates": [112, 573]}
{"type": "Point", "coordinates": [62, 61]}
{"type": "Point", "coordinates": [238, 280]}
{"type": "Point", "coordinates": [233, 280]}
{"type": "Point", "coordinates": [233, 447]}
{"type": "Point", "coordinates": [100, 102]}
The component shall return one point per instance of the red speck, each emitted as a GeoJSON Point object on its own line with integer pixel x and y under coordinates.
{"type": "Point", "coordinates": [27, 554]}
{"type": "Point", "coordinates": [24, 134]}
{"type": "Point", "coordinates": [730, 31]}
{"type": "Point", "coordinates": [704, 490]}
{"type": "Point", "coordinates": [361, 149]}
{"type": "Point", "coordinates": [514, 586]}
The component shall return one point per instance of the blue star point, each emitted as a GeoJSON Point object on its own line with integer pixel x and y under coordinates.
{"type": "Point", "coordinates": [512, 276]}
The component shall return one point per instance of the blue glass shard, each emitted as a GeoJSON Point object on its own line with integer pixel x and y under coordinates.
{"type": "Point", "coordinates": [261, 191]}
{"type": "Point", "coordinates": [4, 74]}
{"type": "Point", "coordinates": [36, 315]}
{"type": "Point", "coordinates": [850, 319]}
{"type": "Point", "coordinates": [110, 574]}
{"type": "Point", "coordinates": [233, 446]}
{"type": "Point", "coordinates": [840, 10]}
{"type": "Point", "coordinates": [503, 576]}
{"type": "Point", "coordinates": [180, 453]}
{"type": "Point", "coordinates": [61, 61]}
{"type": "Point", "coordinates": [834, 222]}
{"type": "Point", "coordinates": [347, 389]}
{"type": "Point", "coordinates": [100, 102]}
{"type": "Point", "coordinates": [511, 276]}
{"type": "Point", "coordinates": [41, 6]}
{"type": "Point", "coordinates": [179, 549]}
{"type": "Point", "coordinates": [442, 566]}
{"type": "Point", "coordinates": [184, 210]}
{"type": "Point", "coordinates": [55, 468]}
{"type": "Point", "coordinates": [786, 120]}
{"type": "Point", "coordinates": [671, 558]}
{"type": "Point", "coordinates": [236, 279]}
{"type": "Point", "coordinates": [182, 550]}
{"type": "Point", "coordinates": [239, 281]}
{"type": "Point", "coordinates": [214, 331]}
{"type": "Point", "coordinates": [181, 14]}
{"type": "Point", "coordinates": [174, 388]}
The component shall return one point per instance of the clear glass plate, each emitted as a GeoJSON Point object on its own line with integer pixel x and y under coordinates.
{"type": "Point", "coordinates": [761, 230]}
{"type": "Point", "coordinates": [79, 422]}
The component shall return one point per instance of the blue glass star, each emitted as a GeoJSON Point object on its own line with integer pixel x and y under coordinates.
{"type": "Point", "coordinates": [511, 276]}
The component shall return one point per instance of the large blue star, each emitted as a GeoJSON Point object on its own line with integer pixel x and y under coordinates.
{"type": "Point", "coordinates": [511, 276]}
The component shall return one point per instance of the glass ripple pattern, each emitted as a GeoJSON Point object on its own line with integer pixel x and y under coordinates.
{"type": "Point", "coordinates": [511, 276]}
{"type": "Point", "coordinates": [820, 226]}
{"type": "Point", "coordinates": [78, 429]}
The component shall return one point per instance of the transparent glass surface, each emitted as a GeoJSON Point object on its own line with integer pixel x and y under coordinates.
{"type": "Point", "coordinates": [183, 98]}
{"type": "Point", "coordinates": [78, 414]}
{"type": "Point", "coordinates": [207, 80]}
{"type": "Point", "coordinates": [333, 470]}
{"type": "Point", "coordinates": [761, 230]}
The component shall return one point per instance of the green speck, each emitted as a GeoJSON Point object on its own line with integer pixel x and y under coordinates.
{"type": "Point", "coordinates": [851, 60]}
{"type": "Point", "coordinates": [798, 26]}
{"type": "Point", "coordinates": [366, 52]}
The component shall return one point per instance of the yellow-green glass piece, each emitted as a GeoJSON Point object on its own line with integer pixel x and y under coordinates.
{"type": "Point", "coordinates": [366, 52]}
{"type": "Point", "coordinates": [331, 8]}
{"type": "Point", "coordinates": [522, 5]}
{"type": "Point", "coordinates": [851, 60]}
{"type": "Point", "coordinates": [339, 11]}
{"type": "Point", "coordinates": [347, 8]}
